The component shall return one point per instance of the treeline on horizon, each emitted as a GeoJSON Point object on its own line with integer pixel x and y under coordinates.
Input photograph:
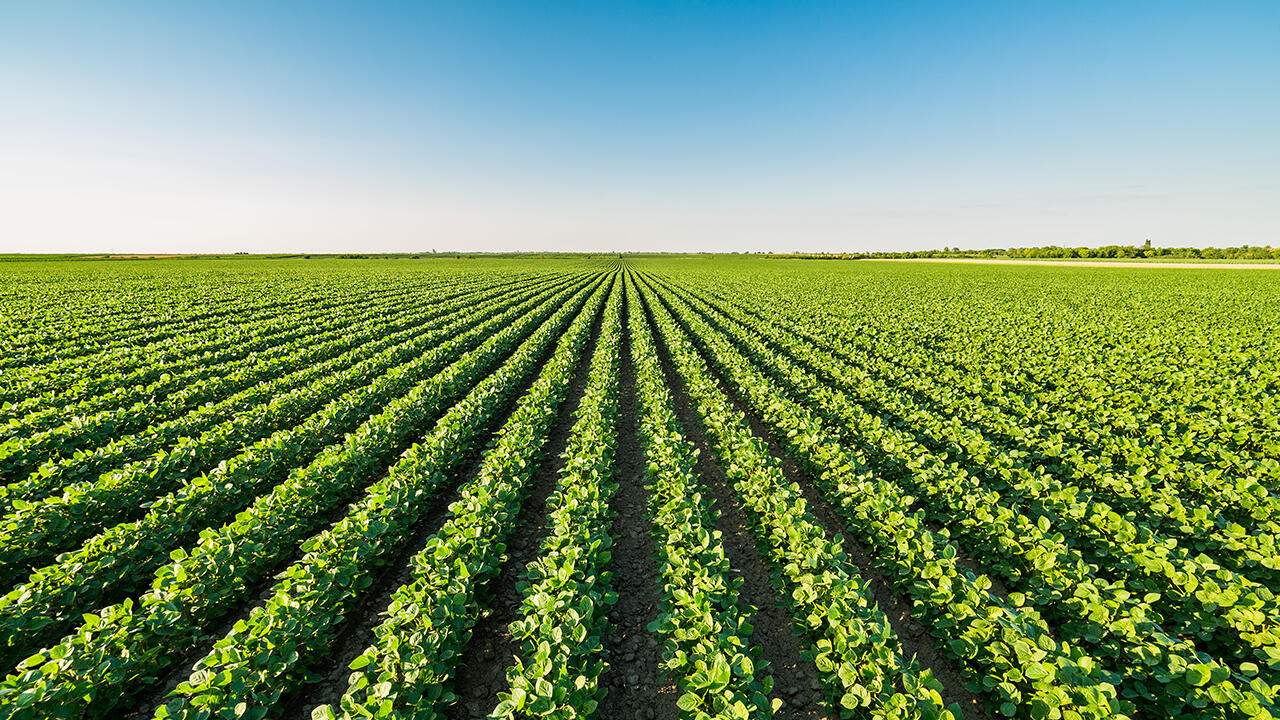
{"type": "Point", "coordinates": [1244, 252]}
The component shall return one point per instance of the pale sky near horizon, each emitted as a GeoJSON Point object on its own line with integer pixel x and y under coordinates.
{"type": "Point", "coordinates": [720, 126]}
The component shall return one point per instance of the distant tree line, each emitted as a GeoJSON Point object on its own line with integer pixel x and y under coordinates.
{"type": "Point", "coordinates": [1244, 252]}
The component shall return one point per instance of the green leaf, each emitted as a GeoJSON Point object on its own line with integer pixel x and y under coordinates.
{"type": "Point", "coordinates": [688, 702]}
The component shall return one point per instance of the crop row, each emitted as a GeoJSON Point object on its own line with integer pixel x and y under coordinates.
{"type": "Point", "coordinates": [60, 521]}
{"type": "Point", "coordinates": [706, 635]}
{"type": "Point", "coordinates": [102, 447]}
{"type": "Point", "coordinates": [1149, 665]}
{"type": "Point", "coordinates": [193, 376]}
{"type": "Point", "coordinates": [1202, 508]}
{"type": "Point", "coordinates": [408, 669]}
{"type": "Point", "coordinates": [81, 334]}
{"type": "Point", "coordinates": [1233, 617]}
{"type": "Point", "coordinates": [253, 490]}
{"type": "Point", "coordinates": [98, 666]}
{"type": "Point", "coordinates": [259, 658]}
{"type": "Point", "coordinates": [114, 562]}
{"type": "Point", "coordinates": [1008, 651]}
{"type": "Point", "coordinates": [162, 365]}
{"type": "Point", "coordinates": [566, 589]}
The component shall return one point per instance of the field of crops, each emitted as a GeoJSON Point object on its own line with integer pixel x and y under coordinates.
{"type": "Point", "coordinates": [650, 487]}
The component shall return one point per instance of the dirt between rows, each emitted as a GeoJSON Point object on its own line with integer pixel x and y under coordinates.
{"type": "Point", "coordinates": [914, 636]}
{"type": "Point", "coordinates": [481, 671]}
{"type": "Point", "coordinates": [355, 632]}
{"type": "Point", "coordinates": [795, 678]}
{"type": "Point", "coordinates": [635, 687]}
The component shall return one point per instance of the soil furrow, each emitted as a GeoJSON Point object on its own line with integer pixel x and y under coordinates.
{"type": "Point", "coordinates": [964, 558]}
{"type": "Point", "coordinates": [914, 635]}
{"type": "Point", "coordinates": [636, 688]}
{"type": "Point", "coordinates": [257, 593]}
{"type": "Point", "coordinates": [795, 677]}
{"type": "Point", "coordinates": [356, 631]}
{"type": "Point", "coordinates": [481, 671]}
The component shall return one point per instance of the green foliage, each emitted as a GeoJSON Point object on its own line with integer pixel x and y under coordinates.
{"type": "Point", "coordinates": [704, 633]}
{"type": "Point", "coordinates": [873, 446]}
{"type": "Point", "coordinates": [197, 588]}
{"type": "Point", "coordinates": [566, 589]}
{"type": "Point", "coordinates": [429, 619]}
{"type": "Point", "coordinates": [1070, 478]}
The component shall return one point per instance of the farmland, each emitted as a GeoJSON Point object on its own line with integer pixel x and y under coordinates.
{"type": "Point", "coordinates": [641, 487]}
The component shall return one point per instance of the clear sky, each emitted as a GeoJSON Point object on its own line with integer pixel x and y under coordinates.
{"type": "Point", "coordinates": [322, 126]}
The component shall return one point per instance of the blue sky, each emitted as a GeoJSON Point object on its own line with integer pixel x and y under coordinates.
{"type": "Point", "coordinates": [153, 127]}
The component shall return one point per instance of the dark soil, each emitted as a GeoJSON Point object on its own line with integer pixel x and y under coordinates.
{"type": "Point", "coordinates": [914, 635]}
{"type": "Point", "coordinates": [963, 558]}
{"type": "Point", "coordinates": [356, 632]}
{"type": "Point", "coordinates": [795, 677]}
{"type": "Point", "coordinates": [481, 671]}
{"type": "Point", "coordinates": [260, 591]}
{"type": "Point", "coordinates": [636, 688]}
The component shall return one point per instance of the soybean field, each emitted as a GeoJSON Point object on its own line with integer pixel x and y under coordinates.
{"type": "Point", "coordinates": [637, 487]}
